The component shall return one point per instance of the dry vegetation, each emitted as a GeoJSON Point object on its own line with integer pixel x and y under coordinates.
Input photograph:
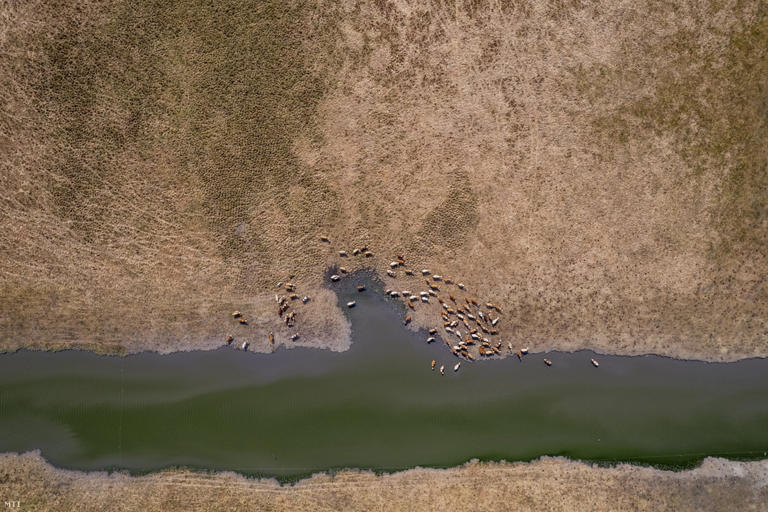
{"type": "Point", "coordinates": [548, 484]}
{"type": "Point", "coordinates": [598, 169]}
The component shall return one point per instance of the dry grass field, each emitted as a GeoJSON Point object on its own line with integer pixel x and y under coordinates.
{"type": "Point", "coordinates": [549, 484]}
{"type": "Point", "coordinates": [598, 169]}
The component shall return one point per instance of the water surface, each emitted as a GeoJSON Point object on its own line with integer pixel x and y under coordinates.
{"type": "Point", "coordinates": [377, 406]}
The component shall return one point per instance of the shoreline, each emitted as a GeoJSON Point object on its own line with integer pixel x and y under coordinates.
{"type": "Point", "coordinates": [529, 485]}
{"type": "Point", "coordinates": [537, 351]}
{"type": "Point", "coordinates": [374, 280]}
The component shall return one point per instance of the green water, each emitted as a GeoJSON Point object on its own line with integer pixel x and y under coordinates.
{"type": "Point", "coordinates": [376, 406]}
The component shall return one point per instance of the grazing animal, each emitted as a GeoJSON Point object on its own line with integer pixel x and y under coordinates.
{"type": "Point", "coordinates": [351, 304]}
{"type": "Point", "coordinates": [410, 305]}
{"type": "Point", "coordinates": [236, 314]}
{"type": "Point", "coordinates": [450, 296]}
{"type": "Point", "coordinates": [430, 339]}
{"type": "Point", "coordinates": [289, 287]}
{"type": "Point", "coordinates": [432, 331]}
{"type": "Point", "coordinates": [335, 277]}
{"type": "Point", "coordinates": [408, 272]}
{"type": "Point", "coordinates": [343, 270]}
{"type": "Point", "coordinates": [425, 272]}
{"type": "Point", "coordinates": [394, 264]}
{"type": "Point", "coordinates": [242, 321]}
{"type": "Point", "coordinates": [442, 370]}
{"type": "Point", "coordinates": [368, 254]}
{"type": "Point", "coordinates": [304, 299]}
{"type": "Point", "coordinates": [245, 345]}
{"type": "Point", "coordinates": [343, 254]}
{"type": "Point", "coordinates": [293, 296]}
{"type": "Point", "coordinates": [324, 238]}
{"type": "Point", "coordinates": [229, 340]}
{"type": "Point", "coordinates": [461, 286]}
{"type": "Point", "coordinates": [271, 338]}
{"type": "Point", "coordinates": [437, 277]}
{"type": "Point", "coordinates": [294, 337]}
{"type": "Point", "coordinates": [361, 288]}
{"type": "Point", "coordinates": [390, 273]}
{"type": "Point", "coordinates": [355, 252]}
{"type": "Point", "coordinates": [548, 362]}
{"type": "Point", "coordinates": [434, 363]}
{"type": "Point", "coordinates": [407, 320]}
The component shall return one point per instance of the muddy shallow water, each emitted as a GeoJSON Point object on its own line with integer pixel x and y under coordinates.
{"type": "Point", "coordinates": [377, 405]}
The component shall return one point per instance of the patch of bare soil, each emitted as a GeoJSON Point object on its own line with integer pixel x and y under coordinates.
{"type": "Point", "coordinates": [546, 484]}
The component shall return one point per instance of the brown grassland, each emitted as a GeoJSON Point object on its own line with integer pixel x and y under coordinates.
{"type": "Point", "coordinates": [599, 169]}
{"type": "Point", "coordinates": [548, 484]}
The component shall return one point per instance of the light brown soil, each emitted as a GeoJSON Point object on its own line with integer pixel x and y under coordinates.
{"type": "Point", "coordinates": [598, 170]}
{"type": "Point", "coordinates": [549, 484]}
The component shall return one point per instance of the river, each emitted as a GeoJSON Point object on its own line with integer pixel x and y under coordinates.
{"type": "Point", "coordinates": [376, 406]}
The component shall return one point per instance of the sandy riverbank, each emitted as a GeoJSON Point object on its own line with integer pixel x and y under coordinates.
{"type": "Point", "coordinates": [546, 484]}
